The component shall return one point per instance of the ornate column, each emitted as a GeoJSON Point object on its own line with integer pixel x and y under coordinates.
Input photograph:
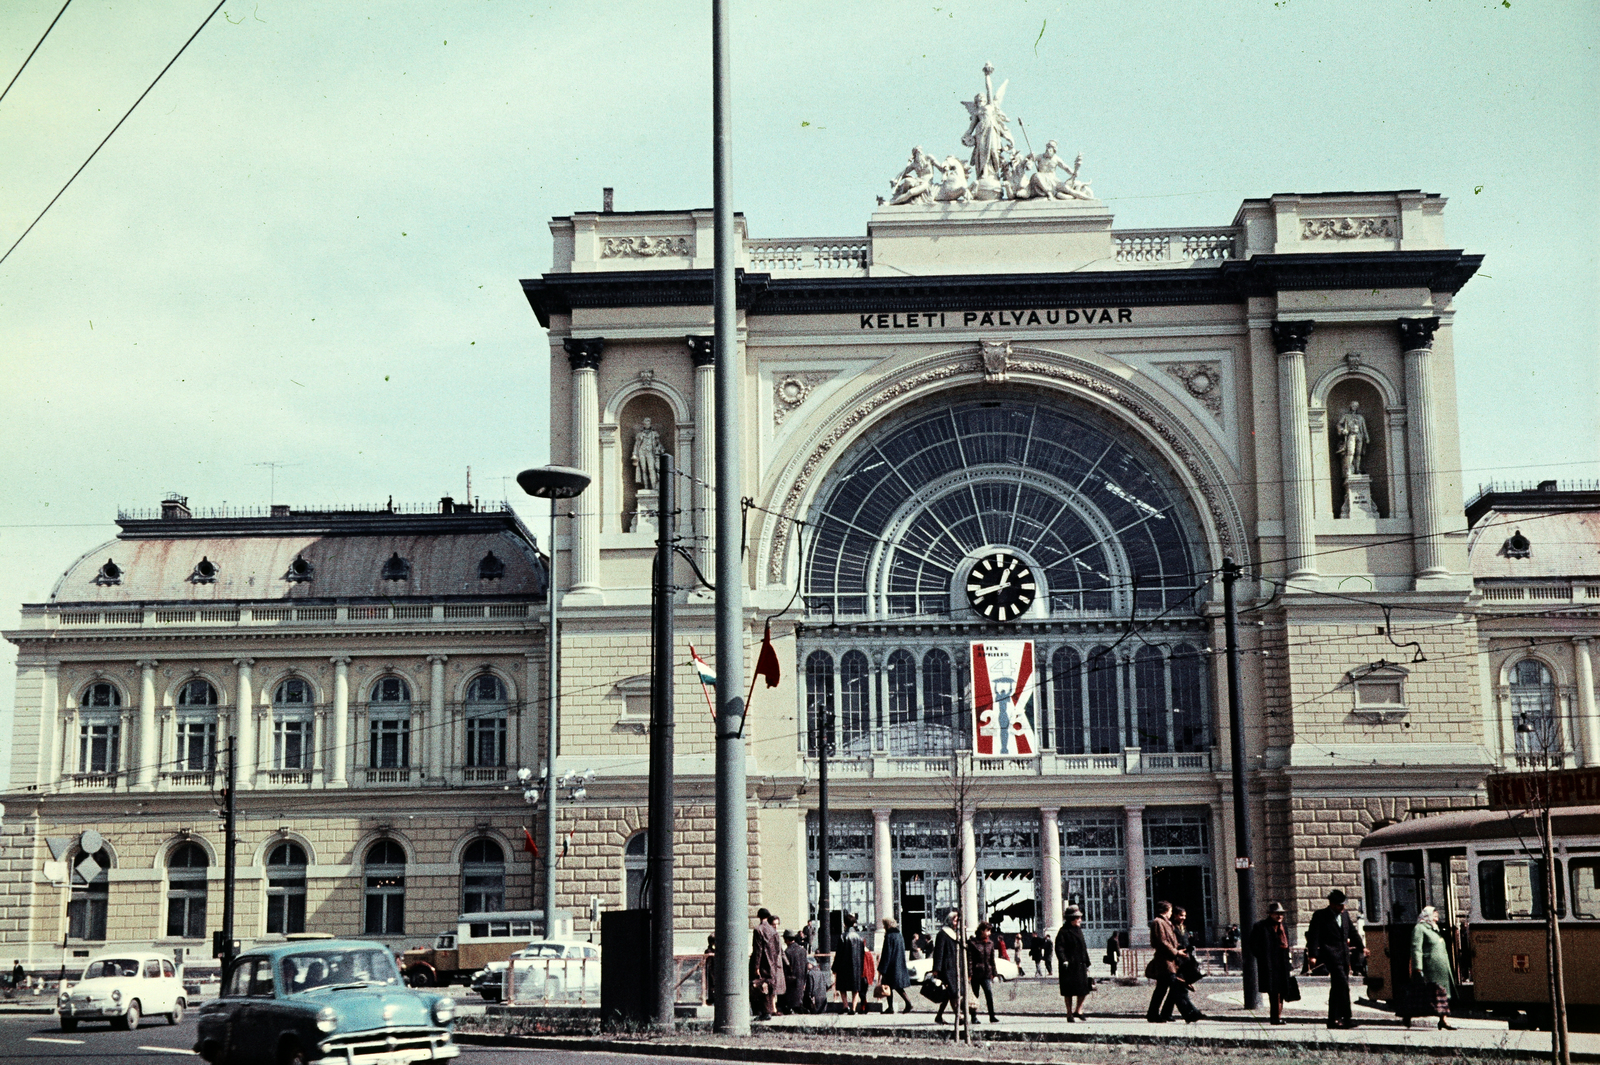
{"type": "Point", "coordinates": [338, 772]}
{"type": "Point", "coordinates": [1299, 510]}
{"type": "Point", "coordinates": [244, 725]}
{"type": "Point", "coordinates": [882, 867]}
{"type": "Point", "coordinates": [1138, 903]}
{"type": "Point", "coordinates": [438, 730]}
{"type": "Point", "coordinates": [702, 351]}
{"type": "Point", "coordinates": [1049, 901]}
{"type": "Point", "coordinates": [1416, 341]}
{"type": "Point", "coordinates": [1586, 707]}
{"type": "Point", "coordinates": [969, 865]}
{"type": "Point", "coordinates": [584, 357]}
{"type": "Point", "coordinates": [149, 746]}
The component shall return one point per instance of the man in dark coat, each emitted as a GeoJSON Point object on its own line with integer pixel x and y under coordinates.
{"type": "Point", "coordinates": [795, 963]}
{"type": "Point", "coordinates": [1170, 992]}
{"type": "Point", "coordinates": [1269, 950]}
{"type": "Point", "coordinates": [1331, 941]}
{"type": "Point", "coordinates": [767, 963]}
{"type": "Point", "coordinates": [947, 963]}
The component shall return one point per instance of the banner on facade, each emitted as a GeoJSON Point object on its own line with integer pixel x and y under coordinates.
{"type": "Point", "coordinates": [1002, 699]}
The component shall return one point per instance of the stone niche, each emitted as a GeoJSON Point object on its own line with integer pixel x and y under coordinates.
{"type": "Point", "coordinates": [1340, 397]}
{"type": "Point", "coordinates": [659, 411]}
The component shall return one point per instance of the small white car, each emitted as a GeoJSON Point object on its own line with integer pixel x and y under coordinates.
{"type": "Point", "coordinates": [1004, 968]}
{"type": "Point", "coordinates": [123, 987]}
{"type": "Point", "coordinates": [546, 970]}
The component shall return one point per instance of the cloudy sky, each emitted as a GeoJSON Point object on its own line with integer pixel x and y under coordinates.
{"type": "Point", "coordinates": [304, 246]}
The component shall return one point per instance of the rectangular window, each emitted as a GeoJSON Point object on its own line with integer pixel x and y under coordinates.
{"type": "Point", "coordinates": [1585, 874]}
{"type": "Point", "coordinates": [98, 747]}
{"type": "Point", "coordinates": [1514, 889]}
{"type": "Point", "coordinates": [197, 746]}
{"type": "Point", "coordinates": [186, 908]}
{"type": "Point", "coordinates": [386, 906]}
{"type": "Point", "coordinates": [486, 742]}
{"type": "Point", "coordinates": [484, 893]}
{"type": "Point", "coordinates": [389, 743]}
{"type": "Point", "coordinates": [291, 744]}
{"type": "Point", "coordinates": [86, 913]}
{"type": "Point", "coordinates": [286, 906]}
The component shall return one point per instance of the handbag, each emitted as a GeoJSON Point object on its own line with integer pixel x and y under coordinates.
{"type": "Point", "coordinates": [1291, 988]}
{"type": "Point", "coordinates": [881, 991]}
{"type": "Point", "coordinates": [934, 990]}
{"type": "Point", "coordinates": [1156, 969]}
{"type": "Point", "coordinates": [1189, 970]}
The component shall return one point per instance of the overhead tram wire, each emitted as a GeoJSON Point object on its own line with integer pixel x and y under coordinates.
{"type": "Point", "coordinates": [25, 62]}
{"type": "Point", "coordinates": [114, 129]}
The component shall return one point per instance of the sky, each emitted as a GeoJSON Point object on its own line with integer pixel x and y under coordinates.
{"type": "Point", "coordinates": [292, 275]}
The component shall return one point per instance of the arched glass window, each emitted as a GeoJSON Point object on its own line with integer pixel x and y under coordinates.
{"type": "Point", "coordinates": [197, 728]}
{"type": "Point", "coordinates": [1533, 708]}
{"type": "Point", "coordinates": [292, 707]}
{"type": "Point", "coordinates": [389, 724]}
{"type": "Point", "coordinates": [101, 693]}
{"type": "Point", "coordinates": [186, 891]}
{"type": "Point", "coordinates": [1150, 694]}
{"type": "Point", "coordinates": [1105, 724]}
{"type": "Point", "coordinates": [939, 718]}
{"type": "Point", "coordinates": [905, 730]}
{"type": "Point", "coordinates": [386, 889]}
{"type": "Point", "coordinates": [483, 877]}
{"type": "Point", "coordinates": [486, 721]}
{"type": "Point", "coordinates": [819, 699]}
{"type": "Point", "coordinates": [855, 687]}
{"type": "Point", "coordinates": [99, 729]}
{"type": "Point", "coordinates": [286, 890]}
{"type": "Point", "coordinates": [1066, 673]}
{"type": "Point", "coordinates": [86, 910]}
{"type": "Point", "coordinates": [1188, 699]}
{"type": "Point", "coordinates": [635, 863]}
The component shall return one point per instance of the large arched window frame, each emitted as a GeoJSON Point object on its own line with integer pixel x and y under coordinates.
{"type": "Point", "coordinates": [293, 716]}
{"type": "Point", "coordinates": [389, 725]}
{"type": "Point", "coordinates": [483, 877]}
{"type": "Point", "coordinates": [196, 735]}
{"type": "Point", "coordinates": [187, 867]}
{"type": "Point", "coordinates": [486, 713]}
{"type": "Point", "coordinates": [385, 896]}
{"type": "Point", "coordinates": [286, 889]}
{"type": "Point", "coordinates": [89, 904]}
{"type": "Point", "coordinates": [1535, 712]}
{"type": "Point", "coordinates": [100, 729]}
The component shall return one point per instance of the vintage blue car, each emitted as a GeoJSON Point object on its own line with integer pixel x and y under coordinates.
{"type": "Point", "coordinates": [340, 1000]}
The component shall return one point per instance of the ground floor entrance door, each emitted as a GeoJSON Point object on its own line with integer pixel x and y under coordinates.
{"type": "Point", "coordinates": [1182, 885]}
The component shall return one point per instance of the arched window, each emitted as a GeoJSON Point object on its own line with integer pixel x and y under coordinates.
{"type": "Point", "coordinates": [197, 728]}
{"type": "Point", "coordinates": [99, 729]}
{"type": "Point", "coordinates": [286, 890]}
{"type": "Point", "coordinates": [1150, 694]}
{"type": "Point", "coordinates": [938, 703]}
{"type": "Point", "coordinates": [819, 700]}
{"type": "Point", "coordinates": [186, 891]}
{"type": "Point", "coordinates": [855, 687]}
{"type": "Point", "coordinates": [486, 721]}
{"type": "Point", "coordinates": [483, 877]}
{"type": "Point", "coordinates": [86, 910]}
{"type": "Point", "coordinates": [1066, 672]}
{"type": "Point", "coordinates": [1533, 708]}
{"type": "Point", "coordinates": [389, 724]}
{"type": "Point", "coordinates": [635, 864]}
{"type": "Point", "coordinates": [1188, 699]}
{"type": "Point", "coordinates": [905, 731]}
{"type": "Point", "coordinates": [1105, 725]}
{"type": "Point", "coordinates": [386, 889]}
{"type": "Point", "coordinates": [292, 707]}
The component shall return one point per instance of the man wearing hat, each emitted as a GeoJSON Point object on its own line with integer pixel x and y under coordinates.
{"type": "Point", "coordinates": [766, 964]}
{"type": "Point", "coordinates": [796, 962]}
{"type": "Point", "coordinates": [1269, 950]}
{"type": "Point", "coordinates": [1330, 941]}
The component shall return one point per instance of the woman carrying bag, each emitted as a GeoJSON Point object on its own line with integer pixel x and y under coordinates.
{"type": "Point", "coordinates": [1072, 955]}
{"type": "Point", "coordinates": [1433, 982]}
{"type": "Point", "coordinates": [893, 972]}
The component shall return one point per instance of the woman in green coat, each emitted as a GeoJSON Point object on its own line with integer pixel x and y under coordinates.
{"type": "Point", "coordinates": [1430, 964]}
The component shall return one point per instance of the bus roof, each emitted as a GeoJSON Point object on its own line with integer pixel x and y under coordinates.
{"type": "Point", "coordinates": [1472, 826]}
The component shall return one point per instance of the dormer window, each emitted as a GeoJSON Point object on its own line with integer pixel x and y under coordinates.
{"type": "Point", "coordinates": [397, 568]}
{"type": "Point", "coordinates": [110, 573]}
{"type": "Point", "coordinates": [299, 570]}
{"type": "Point", "coordinates": [205, 572]}
{"type": "Point", "coordinates": [491, 568]}
{"type": "Point", "coordinates": [1517, 546]}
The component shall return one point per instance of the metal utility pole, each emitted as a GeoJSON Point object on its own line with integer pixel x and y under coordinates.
{"type": "Point", "coordinates": [824, 944]}
{"type": "Point", "coordinates": [733, 866]}
{"type": "Point", "coordinates": [659, 843]}
{"type": "Point", "coordinates": [230, 847]}
{"type": "Point", "coordinates": [1241, 811]}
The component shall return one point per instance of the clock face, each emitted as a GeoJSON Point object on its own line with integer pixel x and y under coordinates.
{"type": "Point", "coordinates": [1001, 587]}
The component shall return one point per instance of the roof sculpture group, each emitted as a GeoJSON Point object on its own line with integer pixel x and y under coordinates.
{"type": "Point", "coordinates": [996, 170]}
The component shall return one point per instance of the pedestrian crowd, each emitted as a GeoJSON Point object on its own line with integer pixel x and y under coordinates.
{"type": "Point", "coordinates": [786, 977]}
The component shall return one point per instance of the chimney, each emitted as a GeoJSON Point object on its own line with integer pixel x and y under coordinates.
{"type": "Point", "coordinates": [1547, 486]}
{"type": "Point", "coordinates": [175, 508]}
{"type": "Point", "coordinates": [280, 510]}
{"type": "Point", "coordinates": [447, 505]}
{"type": "Point", "coordinates": [606, 201]}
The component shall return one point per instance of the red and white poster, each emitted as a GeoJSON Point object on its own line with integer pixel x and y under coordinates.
{"type": "Point", "coordinates": [1002, 699]}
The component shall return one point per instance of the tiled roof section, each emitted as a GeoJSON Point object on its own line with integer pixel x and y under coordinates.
{"type": "Point", "coordinates": [445, 556]}
{"type": "Point", "coordinates": [1561, 545]}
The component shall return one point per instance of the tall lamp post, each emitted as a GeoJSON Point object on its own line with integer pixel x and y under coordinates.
{"type": "Point", "coordinates": [552, 483]}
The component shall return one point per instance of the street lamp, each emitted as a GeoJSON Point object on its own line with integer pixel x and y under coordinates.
{"type": "Point", "coordinates": [552, 483]}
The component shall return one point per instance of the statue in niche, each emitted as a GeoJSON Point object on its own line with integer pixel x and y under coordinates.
{"type": "Point", "coordinates": [1353, 439]}
{"type": "Point", "coordinates": [988, 136]}
{"type": "Point", "coordinates": [915, 183]}
{"type": "Point", "coordinates": [647, 451]}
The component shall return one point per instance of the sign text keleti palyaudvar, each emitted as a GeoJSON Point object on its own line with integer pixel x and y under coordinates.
{"type": "Point", "coordinates": [990, 319]}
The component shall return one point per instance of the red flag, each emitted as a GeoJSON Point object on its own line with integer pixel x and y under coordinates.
{"type": "Point", "coordinates": [767, 660]}
{"type": "Point", "coordinates": [528, 845]}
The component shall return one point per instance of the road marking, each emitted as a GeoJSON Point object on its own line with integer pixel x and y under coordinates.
{"type": "Point", "coordinates": [169, 1050]}
{"type": "Point", "coordinates": [49, 1039]}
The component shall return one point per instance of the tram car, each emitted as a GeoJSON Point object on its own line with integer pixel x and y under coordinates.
{"type": "Point", "coordinates": [1484, 870]}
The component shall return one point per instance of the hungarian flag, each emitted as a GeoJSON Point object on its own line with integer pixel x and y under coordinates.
{"type": "Point", "coordinates": [767, 660]}
{"type": "Point", "coordinates": [708, 676]}
{"type": "Point", "coordinates": [528, 845]}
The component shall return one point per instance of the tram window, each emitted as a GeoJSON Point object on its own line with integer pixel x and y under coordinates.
{"type": "Point", "coordinates": [1369, 881]}
{"type": "Point", "coordinates": [1405, 887]}
{"type": "Point", "coordinates": [1515, 889]}
{"type": "Point", "coordinates": [1585, 873]}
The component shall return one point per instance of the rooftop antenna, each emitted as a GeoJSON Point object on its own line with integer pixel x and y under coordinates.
{"type": "Point", "coordinates": [469, 485]}
{"type": "Point", "coordinates": [272, 494]}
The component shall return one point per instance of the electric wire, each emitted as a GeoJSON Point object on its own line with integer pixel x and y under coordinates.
{"type": "Point", "coordinates": [25, 62]}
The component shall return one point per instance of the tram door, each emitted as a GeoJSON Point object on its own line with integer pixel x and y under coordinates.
{"type": "Point", "coordinates": [1418, 879]}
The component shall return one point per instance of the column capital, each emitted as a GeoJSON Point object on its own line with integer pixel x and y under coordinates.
{"type": "Point", "coordinates": [340, 660]}
{"type": "Point", "coordinates": [584, 353]}
{"type": "Point", "coordinates": [244, 663]}
{"type": "Point", "coordinates": [1416, 334]}
{"type": "Point", "coordinates": [881, 813]}
{"type": "Point", "coordinates": [1133, 809]}
{"type": "Point", "coordinates": [1582, 639]}
{"type": "Point", "coordinates": [702, 350]}
{"type": "Point", "coordinates": [1290, 337]}
{"type": "Point", "coordinates": [1050, 814]}
{"type": "Point", "coordinates": [146, 664]}
{"type": "Point", "coordinates": [438, 660]}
